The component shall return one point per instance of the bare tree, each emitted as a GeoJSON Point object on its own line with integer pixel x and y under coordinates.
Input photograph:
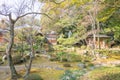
{"type": "Point", "coordinates": [14, 13]}
{"type": "Point", "coordinates": [30, 37]}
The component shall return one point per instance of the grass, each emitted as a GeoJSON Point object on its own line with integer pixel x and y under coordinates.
{"type": "Point", "coordinates": [105, 73]}
{"type": "Point", "coordinates": [49, 73]}
{"type": "Point", "coordinates": [46, 74]}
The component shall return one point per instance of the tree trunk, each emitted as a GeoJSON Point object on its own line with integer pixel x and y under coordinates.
{"type": "Point", "coordinates": [31, 58]}
{"type": "Point", "coordinates": [14, 74]}
{"type": "Point", "coordinates": [28, 68]}
{"type": "Point", "coordinates": [98, 28]}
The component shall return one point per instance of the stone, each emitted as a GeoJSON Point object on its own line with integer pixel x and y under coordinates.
{"type": "Point", "coordinates": [58, 68]}
{"type": "Point", "coordinates": [82, 65]}
{"type": "Point", "coordinates": [37, 55]}
{"type": "Point", "coordinates": [4, 58]}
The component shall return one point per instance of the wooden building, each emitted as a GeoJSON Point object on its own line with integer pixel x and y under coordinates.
{"type": "Point", "coordinates": [2, 37]}
{"type": "Point", "coordinates": [52, 37]}
{"type": "Point", "coordinates": [101, 41]}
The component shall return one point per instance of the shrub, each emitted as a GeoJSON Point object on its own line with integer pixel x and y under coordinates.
{"type": "Point", "coordinates": [89, 64]}
{"type": "Point", "coordinates": [66, 65]}
{"type": "Point", "coordinates": [74, 58]}
{"type": "Point", "coordinates": [65, 60]}
{"type": "Point", "coordinates": [54, 59]}
{"type": "Point", "coordinates": [61, 55]}
{"type": "Point", "coordinates": [17, 59]}
{"type": "Point", "coordinates": [33, 76]}
{"type": "Point", "coordinates": [83, 47]}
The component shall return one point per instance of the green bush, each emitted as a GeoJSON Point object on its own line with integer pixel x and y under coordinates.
{"type": "Point", "coordinates": [74, 58]}
{"type": "Point", "coordinates": [65, 60]}
{"type": "Point", "coordinates": [66, 65]}
{"type": "Point", "coordinates": [65, 57]}
{"type": "Point", "coordinates": [33, 76]}
{"type": "Point", "coordinates": [69, 57]}
{"type": "Point", "coordinates": [54, 59]}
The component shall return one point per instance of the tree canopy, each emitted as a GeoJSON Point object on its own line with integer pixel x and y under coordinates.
{"type": "Point", "coordinates": [81, 14]}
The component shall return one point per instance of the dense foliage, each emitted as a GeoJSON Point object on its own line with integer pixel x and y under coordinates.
{"type": "Point", "coordinates": [82, 16]}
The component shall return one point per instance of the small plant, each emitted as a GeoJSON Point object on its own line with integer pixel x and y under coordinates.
{"type": "Point", "coordinates": [72, 75]}
{"type": "Point", "coordinates": [60, 55]}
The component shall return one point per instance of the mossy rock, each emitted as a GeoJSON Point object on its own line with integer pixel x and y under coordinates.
{"type": "Point", "coordinates": [33, 76]}
{"type": "Point", "coordinates": [18, 59]}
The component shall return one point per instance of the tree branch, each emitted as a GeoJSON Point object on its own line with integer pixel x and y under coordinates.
{"type": "Point", "coordinates": [33, 13]}
{"type": "Point", "coordinates": [3, 14]}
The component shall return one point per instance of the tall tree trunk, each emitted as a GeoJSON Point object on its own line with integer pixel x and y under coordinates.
{"type": "Point", "coordinates": [14, 74]}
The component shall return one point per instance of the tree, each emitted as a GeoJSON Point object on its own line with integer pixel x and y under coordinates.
{"type": "Point", "coordinates": [109, 17]}
{"type": "Point", "coordinates": [14, 13]}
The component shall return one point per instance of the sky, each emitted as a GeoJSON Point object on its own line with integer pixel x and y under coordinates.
{"type": "Point", "coordinates": [15, 3]}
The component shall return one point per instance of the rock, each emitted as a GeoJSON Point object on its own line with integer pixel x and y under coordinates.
{"type": "Point", "coordinates": [37, 51]}
{"type": "Point", "coordinates": [22, 60]}
{"type": "Point", "coordinates": [82, 65]}
{"type": "Point", "coordinates": [37, 55]}
{"type": "Point", "coordinates": [92, 68]}
{"type": "Point", "coordinates": [57, 68]}
{"type": "Point", "coordinates": [27, 57]}
{"type": "Point", "coordinates": [4, 58]}
{"type": "Point", "coordinates": [104, 57]}
{"type": "Point", "coordinates": [98, 65]}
